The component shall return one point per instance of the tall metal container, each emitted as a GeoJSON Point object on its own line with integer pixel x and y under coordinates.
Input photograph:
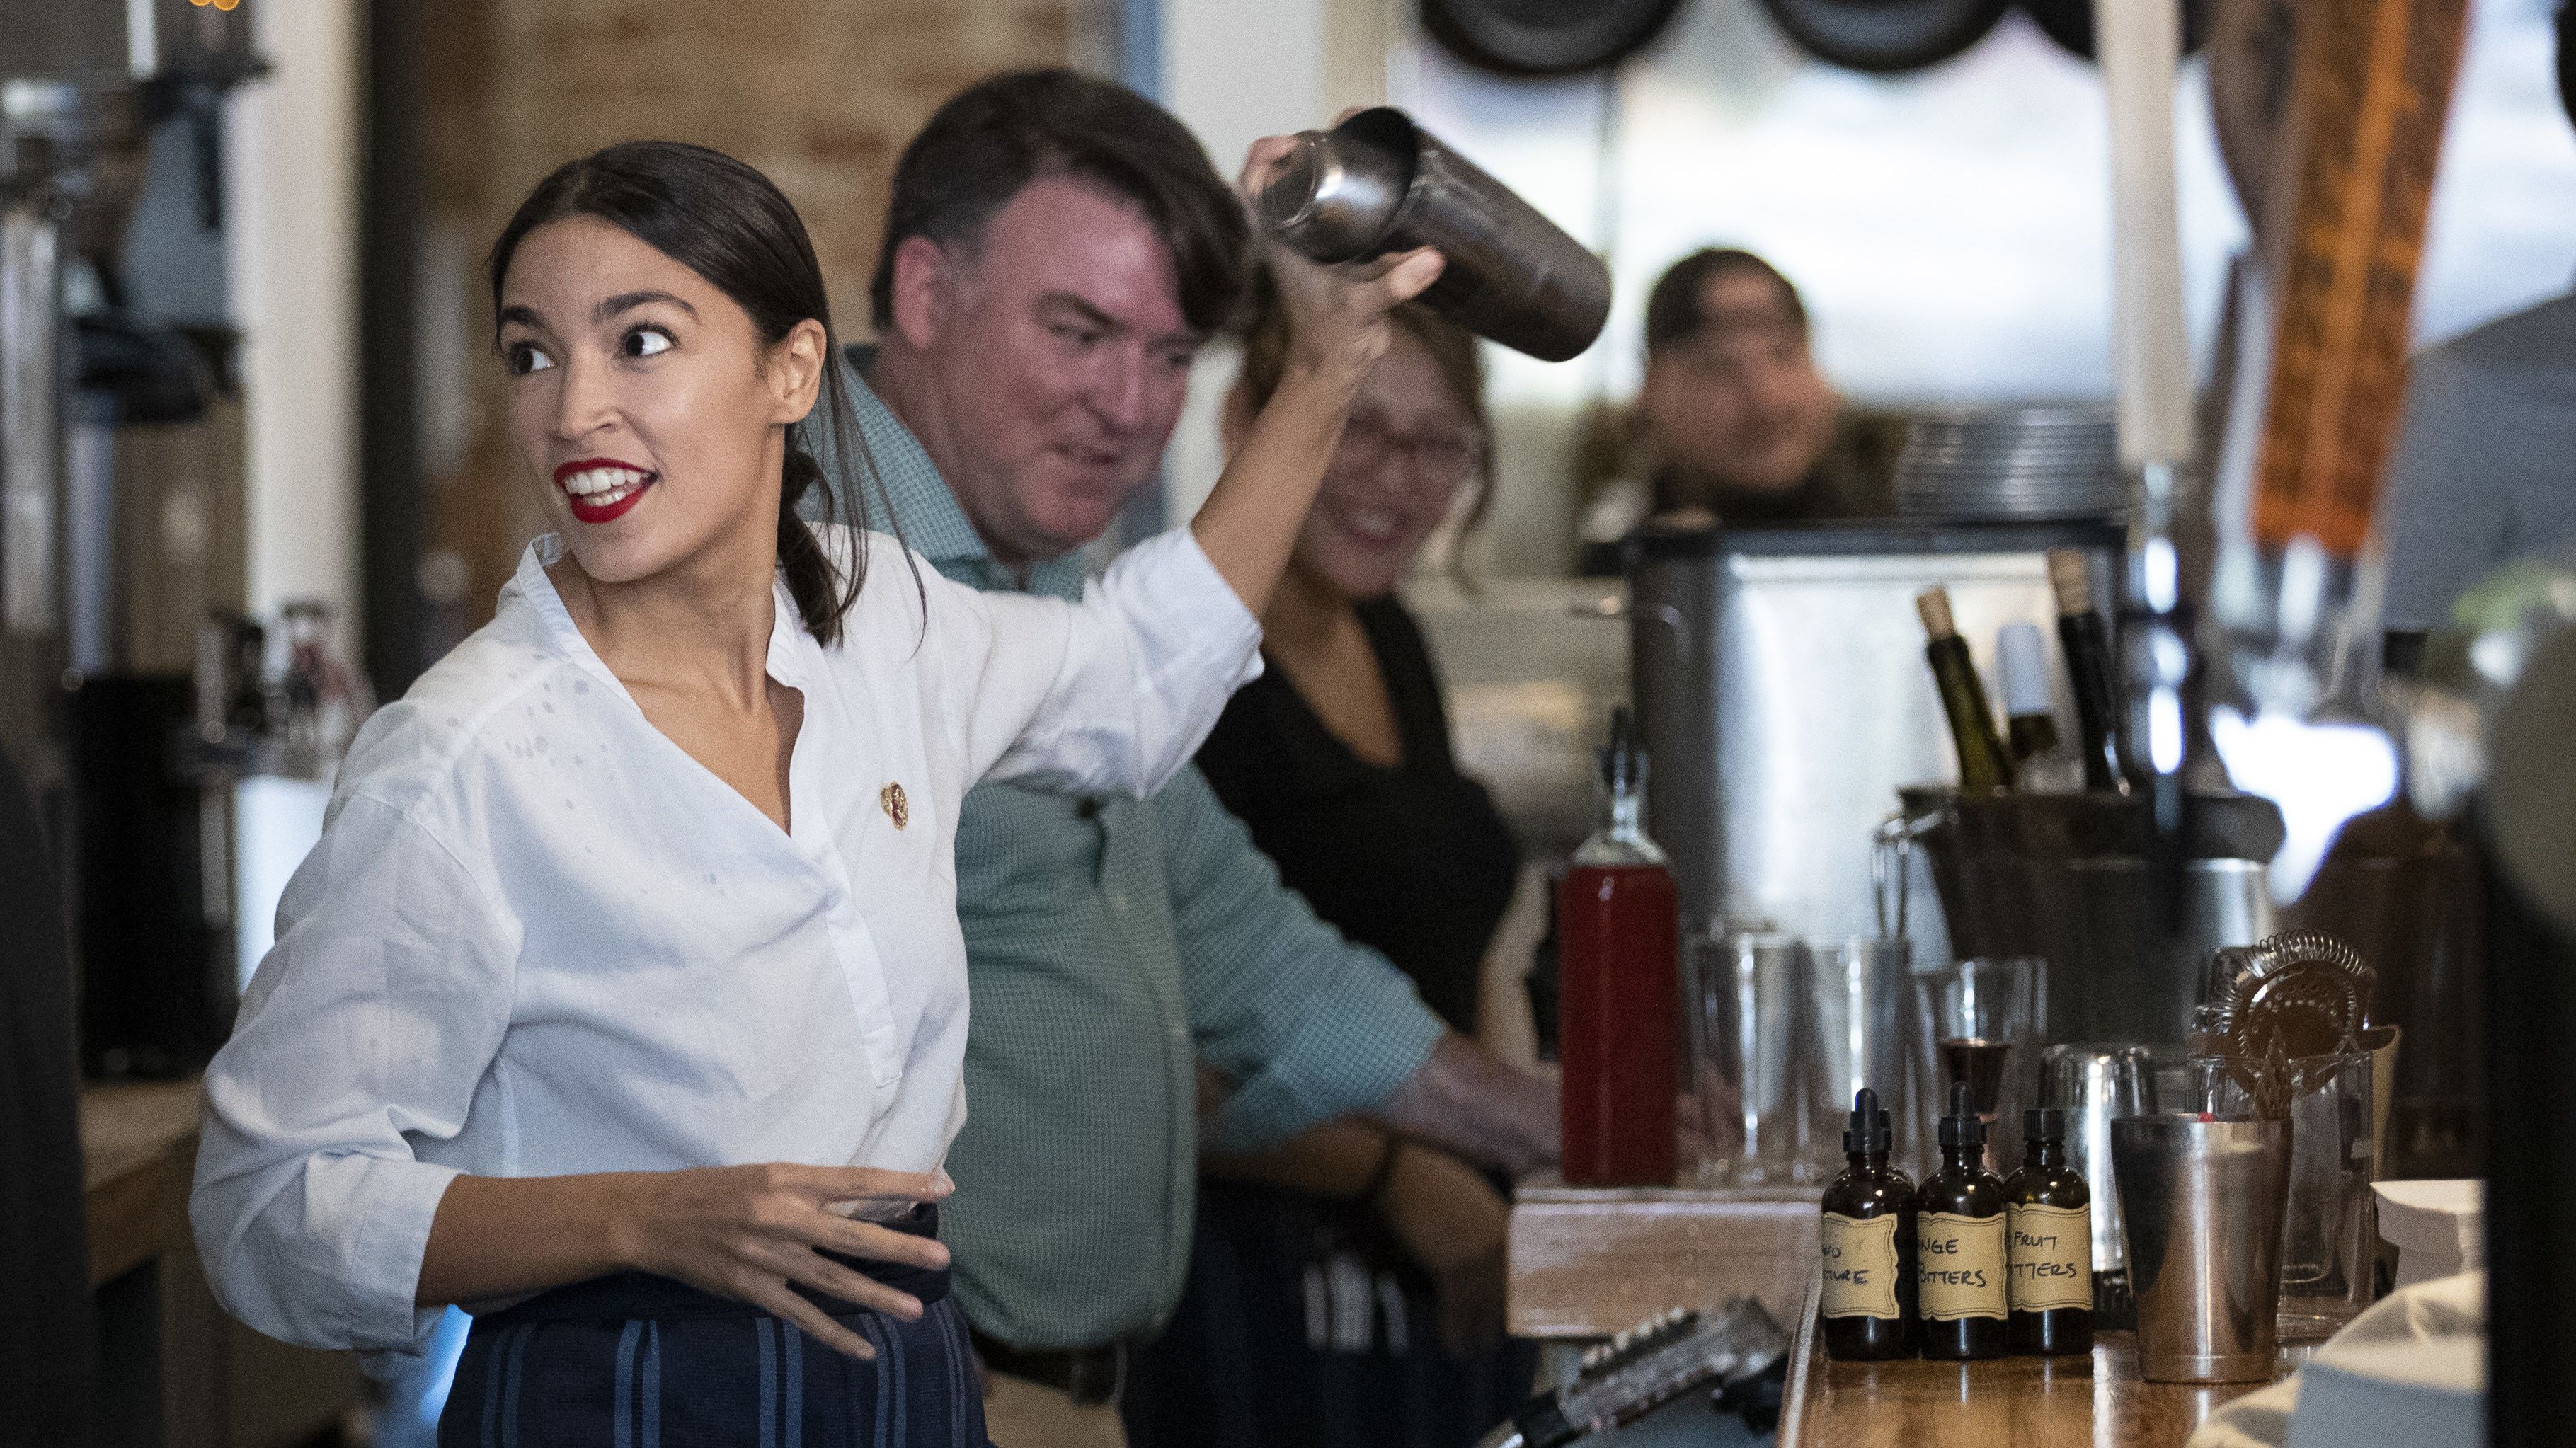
{"type": "Point", "coordinates": [2072, 879]}
{"type": "Point", "coordinates": [1780, 684]}
{"type": "Point", "coordinates": [1378, 183]}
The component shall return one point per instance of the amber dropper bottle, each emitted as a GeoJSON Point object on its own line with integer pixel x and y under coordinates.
{"type": "Point", "coordinates": [1959, 1230]}
{"type": "Point", "coordinates": [1868, 1241]}
{"type": "Point", "coordinates": [2050, 1212]}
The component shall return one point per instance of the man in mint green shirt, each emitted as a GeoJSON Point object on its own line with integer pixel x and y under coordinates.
{"type": "Point", "coordinates": [1057, 250]}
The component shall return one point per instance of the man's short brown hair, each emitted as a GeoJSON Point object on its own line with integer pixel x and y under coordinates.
{"type": "Point", "coordinates": [1675, 309]}
{"type": "Point", "coordinates": [996, 136]}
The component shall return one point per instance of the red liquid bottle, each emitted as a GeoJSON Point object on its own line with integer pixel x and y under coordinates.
{"type": "Point", "coordinates": [1618, 1023]}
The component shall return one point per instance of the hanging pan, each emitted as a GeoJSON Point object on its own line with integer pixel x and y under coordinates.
{"type": "Point", "coordinates": [1545, 37]}
{"type": "Point", "coordinates": [1885, 37]}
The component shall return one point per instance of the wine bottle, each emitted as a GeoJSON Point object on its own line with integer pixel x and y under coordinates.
{"type": "Point", "coordinates": [2044, 761]}
{"type": "Point", "coordinates": [2029, 729]}
{"type": "Point", "coordinates": [2088, 670]}
{"type": "Point", "coordinates": [1983, 765]}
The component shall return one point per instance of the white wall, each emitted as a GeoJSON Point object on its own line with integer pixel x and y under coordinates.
{"type": "Point", "coordinates": [291, 185]}
{"type": "Point", "coordinates": [1235, 72]}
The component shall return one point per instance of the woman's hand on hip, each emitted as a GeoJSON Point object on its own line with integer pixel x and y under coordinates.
{"type": "Point", "coordinates": [753, 1232]}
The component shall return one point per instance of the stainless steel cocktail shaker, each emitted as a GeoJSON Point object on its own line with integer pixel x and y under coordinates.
{"type": "Point", "coordinates": [2202, 1202]}
{"type": "Point", "coordinates": [1378, 183]}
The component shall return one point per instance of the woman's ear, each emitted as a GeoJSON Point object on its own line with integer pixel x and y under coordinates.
{"type": "Point", "coordinates": [796, 370]}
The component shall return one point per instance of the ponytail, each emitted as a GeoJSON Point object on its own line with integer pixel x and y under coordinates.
{"type": "Point", "coordinates": [822, 592]}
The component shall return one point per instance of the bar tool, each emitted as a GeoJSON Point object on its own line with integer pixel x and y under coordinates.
{"type": "Point", "coordinates": [1378, 183]}
{"type": "Point", "coordinates": [2202, 1203]}
{"type": "Point", "coordinates": [1646, 1367]}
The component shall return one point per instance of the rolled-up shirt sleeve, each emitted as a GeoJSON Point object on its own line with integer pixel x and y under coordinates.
{"type": "Point", "coordinates": [365, 1031]}
{"type": "Point", "coordinates": [1310, 1025]}
{"type": "Point", "coordinates": [1111, 695]}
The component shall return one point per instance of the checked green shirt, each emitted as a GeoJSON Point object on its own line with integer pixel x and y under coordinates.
{"type": "Point", "coordinates": [1108, 942]}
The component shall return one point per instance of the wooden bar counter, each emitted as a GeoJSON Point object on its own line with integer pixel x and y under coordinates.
{"type": "Point", "coordinates": [2023, 1402]}
{"type": "Point", "coordinates": [1587, 1262]}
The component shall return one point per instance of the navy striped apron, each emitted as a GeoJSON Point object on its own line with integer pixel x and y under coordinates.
{"type": "Point", "coordinates": [637, 1361]}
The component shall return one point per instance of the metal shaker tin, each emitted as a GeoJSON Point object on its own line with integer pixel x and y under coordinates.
{"type": "Point", "coordinates": [1378, 183]}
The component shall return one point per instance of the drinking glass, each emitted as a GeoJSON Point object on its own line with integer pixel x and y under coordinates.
{"type": "Point", "coordinates": [1985, 1015]}
{"type": "Point", "coordinates": [2329, 1222]}
{"type": "Point", "coordinates": [2095, 1084]}
{"type": "Point", "coordinates": [1854, 1028]}
{"type": "Point", "coordinates": [1745, 991]}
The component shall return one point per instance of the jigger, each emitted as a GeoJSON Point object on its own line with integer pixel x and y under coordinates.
{"type": "Point", "coordinates": [2201, 1202]}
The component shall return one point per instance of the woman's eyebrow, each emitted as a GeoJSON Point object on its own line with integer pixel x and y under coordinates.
{"type": "Point", "coordinates": [625, 301]}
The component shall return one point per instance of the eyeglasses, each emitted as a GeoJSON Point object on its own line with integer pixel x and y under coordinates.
{"type": "Point", "coordinates": [1441, 458]}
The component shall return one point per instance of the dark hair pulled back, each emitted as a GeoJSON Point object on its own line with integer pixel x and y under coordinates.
{"type": "Point", "coordinates": [732, 226]}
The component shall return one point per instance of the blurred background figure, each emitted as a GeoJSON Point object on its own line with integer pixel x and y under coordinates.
{"type": "Point", "coordinates": [2481, 474]}
{"type": "Point", "coordinates": [1733, 422]}
{"type": "Point", "coordinates": [1346, 1288]}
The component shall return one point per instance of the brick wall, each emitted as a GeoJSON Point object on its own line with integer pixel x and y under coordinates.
{"type": "Point", "coordinates": [819, 94]}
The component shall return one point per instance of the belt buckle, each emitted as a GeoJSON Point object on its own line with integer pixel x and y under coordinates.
{"type": "Point", "coordinates": [1096, 1376]}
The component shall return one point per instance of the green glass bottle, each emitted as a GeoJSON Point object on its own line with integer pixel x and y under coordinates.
{"type": "Point", "coordinates": [2088, 670]}
{"type": "Point", "coordinates": [1983, 764]}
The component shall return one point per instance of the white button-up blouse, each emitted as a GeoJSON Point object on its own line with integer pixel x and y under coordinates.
{"type": "Point", "coordinates": [537, 938]}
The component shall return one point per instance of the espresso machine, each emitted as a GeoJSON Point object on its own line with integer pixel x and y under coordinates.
{"type": "Point", "coordinates": [120, 514]}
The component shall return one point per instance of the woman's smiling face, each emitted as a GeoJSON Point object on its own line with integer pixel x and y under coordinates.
{"type": "Point", "coordinates": [644, 403]}
{"type": "Point", "coordinates": [1409, 446]}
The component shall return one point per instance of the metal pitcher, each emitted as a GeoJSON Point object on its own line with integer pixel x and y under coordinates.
{"type": "Point", "coordinates": [1378, 183]}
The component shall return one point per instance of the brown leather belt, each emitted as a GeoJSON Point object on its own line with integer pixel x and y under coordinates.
{"type": "Point", "coordinates": [1091, 1376]}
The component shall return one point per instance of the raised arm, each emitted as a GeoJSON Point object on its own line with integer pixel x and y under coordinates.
{"type": "Point", "coordinates": [1337, 328]}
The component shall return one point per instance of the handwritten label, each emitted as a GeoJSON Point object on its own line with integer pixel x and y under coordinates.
{"type": "Point", "coordinates": [2052, 1257]}
{"type": "Point", "coordinates": [1959, 1266]}
{"type": "Point", "coordinates": [1860, 1266]}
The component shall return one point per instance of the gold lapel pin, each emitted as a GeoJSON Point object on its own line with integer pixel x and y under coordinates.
{"type": "Point", "coordinates": [892, 801]}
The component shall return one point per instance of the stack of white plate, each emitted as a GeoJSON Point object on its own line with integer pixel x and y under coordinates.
{"type": "Point", "coordinates": [2046, 460]}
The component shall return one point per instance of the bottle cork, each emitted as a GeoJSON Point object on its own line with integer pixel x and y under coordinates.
{"type": "Point", "coordinates": [1934, 605]}
{"type": "Point", "coordinates": [2072, 577]}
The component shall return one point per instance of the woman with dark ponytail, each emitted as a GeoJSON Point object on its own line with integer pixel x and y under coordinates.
{"type": "Point", "coordinates": [623, 1001]}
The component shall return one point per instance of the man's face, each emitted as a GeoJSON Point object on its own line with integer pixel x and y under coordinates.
{"type": "Point", "coordinates": [1060, 360]}
{"type": "Point", "coordinates": [1740, 404]}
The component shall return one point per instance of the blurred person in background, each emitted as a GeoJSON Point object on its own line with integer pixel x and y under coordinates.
{"type": "Point", "coordinates": [1057, 250]}
{"type": "Point", "coordinates": [1346, 1288]}
{"type": "Point", "coordinates": [1733, 423]}
{"type": "Point", "coordinates": [2485, 468]}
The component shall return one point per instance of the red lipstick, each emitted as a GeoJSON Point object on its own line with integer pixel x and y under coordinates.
{"type": "Point", "coordinates": [603, 505]}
